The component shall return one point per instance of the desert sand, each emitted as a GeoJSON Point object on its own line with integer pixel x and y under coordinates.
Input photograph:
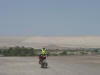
{"type": "Point", "coordinates": [65, 65]}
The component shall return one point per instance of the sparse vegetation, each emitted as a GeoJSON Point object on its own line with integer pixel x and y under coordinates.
{"type": "Point", "coordinates": [23, 51]}
{"type": "Point", "coordinates": [63, 53]}
{"type": "Point", "coordinates": [18, 51]}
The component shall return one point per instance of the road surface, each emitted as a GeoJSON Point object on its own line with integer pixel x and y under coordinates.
{"type": "Point", "coordinates": [66, 65]}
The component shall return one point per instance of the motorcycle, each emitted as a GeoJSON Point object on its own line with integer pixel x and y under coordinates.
{"type": "Point", "coordinates": [43, 62]}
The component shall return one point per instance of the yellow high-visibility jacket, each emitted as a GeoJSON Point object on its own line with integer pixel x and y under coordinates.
{"type": "Point", "coordinates": [43, 52]}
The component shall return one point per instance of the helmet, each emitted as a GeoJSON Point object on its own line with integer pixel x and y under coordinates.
{"type": "Point", "coordinates": [43, 48]}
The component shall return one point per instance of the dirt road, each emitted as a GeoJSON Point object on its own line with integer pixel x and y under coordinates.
{"type": "Point", "coordinates": [69, 65]}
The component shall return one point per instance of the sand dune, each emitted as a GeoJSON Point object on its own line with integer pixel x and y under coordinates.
{"type": "Point", "coordinates": [61, 41]}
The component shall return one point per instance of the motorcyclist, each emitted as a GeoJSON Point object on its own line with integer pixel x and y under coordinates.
{"type": "Point", "coordinates": [42, 56]}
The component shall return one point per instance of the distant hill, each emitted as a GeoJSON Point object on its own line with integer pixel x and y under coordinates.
{"type": "Point", "coordinates": [52, 46]}
{"type": "Point", "coordinates": [52, 42]}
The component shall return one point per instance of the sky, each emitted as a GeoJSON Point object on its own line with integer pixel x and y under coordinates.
{"type": "Point", "coordinates": [49, 17]}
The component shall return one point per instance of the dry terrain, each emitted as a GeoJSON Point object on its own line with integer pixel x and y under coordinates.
{"type": "Point", "coordinates": [65, 65]}
{"type": "Point", "coordinates": [52, 41]}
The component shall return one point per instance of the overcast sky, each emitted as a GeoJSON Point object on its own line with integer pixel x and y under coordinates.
{"type": "Point", "coordinates": [49, 17]}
